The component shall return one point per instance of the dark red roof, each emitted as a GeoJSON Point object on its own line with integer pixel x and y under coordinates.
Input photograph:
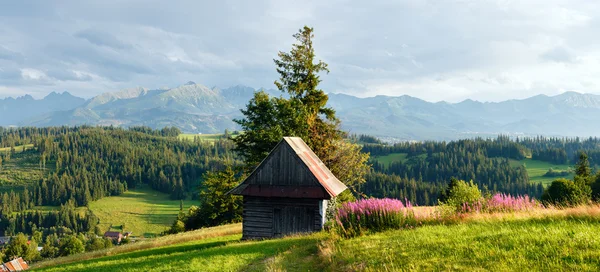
{"type": "Point", "coordinates": [113, 234]}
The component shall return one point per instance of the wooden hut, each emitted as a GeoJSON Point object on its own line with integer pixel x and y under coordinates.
{"type": "Point", "coordinates": [287, 193]}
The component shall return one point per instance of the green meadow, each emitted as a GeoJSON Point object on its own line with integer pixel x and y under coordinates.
{"type": "Point", "coordinates": [144, 211]}
{"type": "Point", "coordinates": [536, 170]}
{"type": "Point", "coordinates": [487, 244]}
{"type": "Point", "coordinates": [206, 137]}
{"type": "Point", "coordinates": [391, 158]}
{"type": "Point", "coordinates": [22, 169]}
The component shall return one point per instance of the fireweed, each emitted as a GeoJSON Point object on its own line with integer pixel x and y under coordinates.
{"type": "Point", "coordinates": [358, 217]}
{"type": "Point", "coordinates": [501, 203]}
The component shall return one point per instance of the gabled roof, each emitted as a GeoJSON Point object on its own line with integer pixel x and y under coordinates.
{"type": "Point", "coordinates": [16, 265]}
{"type": "Point", "coordinates": [114, 234]}
{"type": "Point", "coordinates": [314, 168]}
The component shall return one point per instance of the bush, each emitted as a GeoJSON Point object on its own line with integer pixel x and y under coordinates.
{"type": "Point", "coordinates": [19, 247]}
{"type": "Point", "coordinates": [70, 245]}
{"type": "Point", "coordinates": [355, 218]}
{"type": "Point", "coordinates": [461, 193]}
{"type": "Point", "coordinates": [564, 192]}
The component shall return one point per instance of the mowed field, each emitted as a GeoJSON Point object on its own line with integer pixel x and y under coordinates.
{"type": "Point", "coordinates": [536, 170]}
{"type": "Point", "coordinates": [206, 137]}
{"type": "Point", "coordinates": [394, 157]}
{"type": "Point", "coordinates": [22, 169]}
{"type": "Point", "coordinates": [144, 211]}
{"type": "Point", "coordinates": [551, 240]}
{"type": "Point", "coordinates": [19, 148]}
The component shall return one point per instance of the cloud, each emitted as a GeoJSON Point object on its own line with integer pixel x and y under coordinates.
{"type": "Point", "coordinates": [6, 54]}
{"type": "Point", "coordinates": [101, 38]}
{"type": "Point", "coordinates": [435, 50]}
{"type": "Point", "coordinates": [559, 54]}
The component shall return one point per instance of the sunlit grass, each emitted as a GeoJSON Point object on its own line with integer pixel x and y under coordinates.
{"type": "Point", "coordinates": [394, 157]}
{"type": "Point", "coordinates": [144, 211]}
{"type": "Point", "coordinates": [541, 239]}
{"type": "Point", "coordinates": [203, 236]}
{"type": "Point", "coordinates": [536, 170]}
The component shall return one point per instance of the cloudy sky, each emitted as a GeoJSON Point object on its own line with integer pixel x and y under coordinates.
{"type": "Point", "coordinates": [434, 50]}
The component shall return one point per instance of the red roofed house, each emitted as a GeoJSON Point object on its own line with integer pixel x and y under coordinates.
{"type": "Point", "coordinates": [14, 265]}
{"type": "Point", "coordinates": [114, 235]}
{"type": "Point", "coordinates": [287, 193]}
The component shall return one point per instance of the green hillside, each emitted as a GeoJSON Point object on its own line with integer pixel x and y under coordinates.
{"type": "Point", "coordinates": [22, 168]}
{"type": "Point", "coordinates": [144, 211]}
{"type": "Point", "coordinates": [535, 241]}
{"type": "Point", "coordinates": [536, 170]}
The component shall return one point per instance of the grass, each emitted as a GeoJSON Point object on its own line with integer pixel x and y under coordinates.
{"type": "Point", "coordinates": [491, 246]}
{"type": "Point", "coordinates": [214, 249]}
{"type": "Point", "coordinates": [22, 169]}
{"type": "Point", "coordinates": [202, 235]}
{"type": "Point", "coordinates": [393, 157]}
{"type": "Point", "coordinates": [533, 240]}
{"type": "Point", "coordinates": [18, 148]}
{"type": "Point", "coordinates": [536, 170]}
{"type": "Point", "coordinates": [206, 137]}
{"type": "Point", "coordinates": [144, 211]}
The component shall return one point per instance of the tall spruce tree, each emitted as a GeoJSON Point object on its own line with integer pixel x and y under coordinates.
{"type": "Point", "coordinates": [304, 114]}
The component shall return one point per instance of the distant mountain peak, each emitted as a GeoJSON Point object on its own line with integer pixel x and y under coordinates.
{"type": "Point", "coordinates": [190, 83]}
{"type": "Point", "coordinates": [25, 97]}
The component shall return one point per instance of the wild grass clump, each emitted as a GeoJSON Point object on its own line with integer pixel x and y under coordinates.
{"type": "Point", "coordinates": [356, 218]}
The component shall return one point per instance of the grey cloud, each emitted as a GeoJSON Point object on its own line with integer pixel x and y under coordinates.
{"type": "Point", "coordinates": [101, 38]}
{"type": "Point", "coordinates": [7, 54]}
{"type": "Point", "coordinates": [63, 75]}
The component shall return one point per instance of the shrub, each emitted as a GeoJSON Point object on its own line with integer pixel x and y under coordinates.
{"type": "Point", "coordinates": [355, 218]}
{"type": "Point", "coordinates": [70, 245]}
{"type": "Point", "coordinates": [564, 192]}
{"type": "Point", "coordinates": [461, 193]}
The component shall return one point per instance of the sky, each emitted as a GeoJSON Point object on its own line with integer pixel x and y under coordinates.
{"type": "Point", "coordinates": [433, 50]}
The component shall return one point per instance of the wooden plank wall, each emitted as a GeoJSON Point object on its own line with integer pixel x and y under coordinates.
{"type": "Point", "coordinates": [293, 214]}
{"type": "Point", "coordinates": [283, 167]}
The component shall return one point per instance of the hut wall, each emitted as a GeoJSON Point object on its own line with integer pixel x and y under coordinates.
{"type": "Point", "coordinates": [265, 217]}
{"type": "Point", "coordinates": [283, 168]}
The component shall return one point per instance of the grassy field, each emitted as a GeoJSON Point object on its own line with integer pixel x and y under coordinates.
{"type": "Point", "coordinates": [19, 148]}
{"type": "Point", "coordinates": [536, 170]}
{"type": "Point", "coordinates": [206, 137]}
{"type": "Point", "coordinates": [144, 211]}
{"type": "Point", "coordinates": [391, 158]}
{"type": "Point", "coordinates": [22, 169]}
{"type": "Point", "coordinates": [545, 240]}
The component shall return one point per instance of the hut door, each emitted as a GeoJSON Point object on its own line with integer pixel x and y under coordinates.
{"type": "Point", "coordinates": [277, 222]}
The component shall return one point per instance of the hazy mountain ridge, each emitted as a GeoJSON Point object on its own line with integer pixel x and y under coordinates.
{"type": "Point", "coordinates": [196, 108]}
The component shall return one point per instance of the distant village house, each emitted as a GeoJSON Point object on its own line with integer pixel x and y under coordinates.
{"type": "Point", "coordinates": [287, 193]}
{"type": "Point", "coordinates": [114, 235]}
{"type": "Point", "coordinates": [15, 265]}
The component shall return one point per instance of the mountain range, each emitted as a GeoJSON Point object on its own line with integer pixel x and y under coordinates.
{"type": "Point", "coordinates": [195, 108]}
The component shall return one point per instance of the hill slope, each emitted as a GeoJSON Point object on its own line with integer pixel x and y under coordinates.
{"type": "Point", "coordinates": [557, 241]}
{"type": "Point", "coordinates": [196, 108]}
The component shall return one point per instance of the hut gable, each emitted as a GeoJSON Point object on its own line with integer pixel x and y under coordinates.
{"type": "Point", "coordinates": [291, 170]}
